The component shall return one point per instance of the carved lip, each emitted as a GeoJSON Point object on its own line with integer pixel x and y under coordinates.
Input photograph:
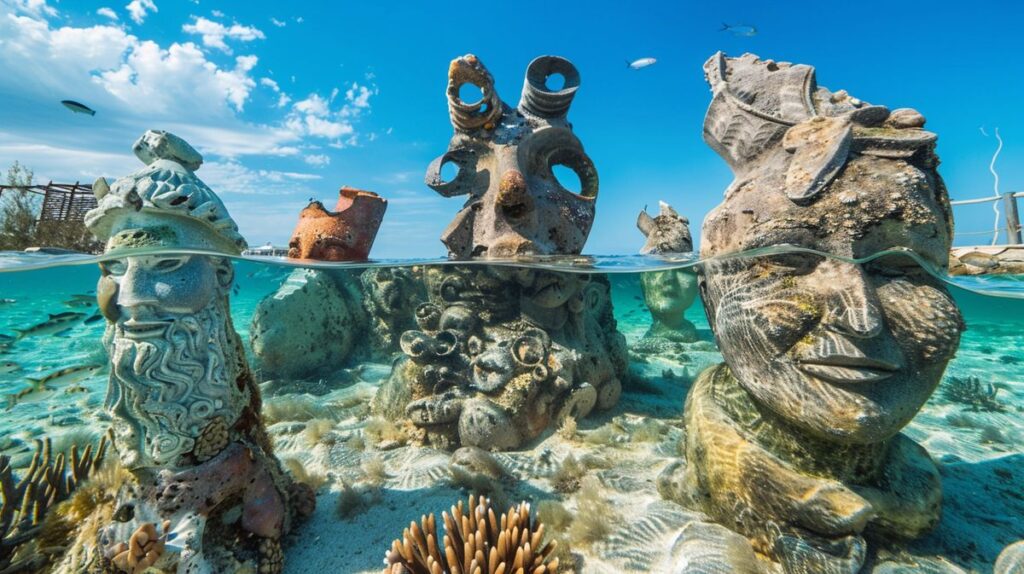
{"type": "Point", "coordinates": [847, 369]}
{"type": "Point", "coordinates": [135, 329]}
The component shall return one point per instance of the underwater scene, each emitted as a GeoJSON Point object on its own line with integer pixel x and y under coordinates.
{"type": "Point", "coordinates": [787, 342]}
{"type": "Point", "coordinates": [373, 380]}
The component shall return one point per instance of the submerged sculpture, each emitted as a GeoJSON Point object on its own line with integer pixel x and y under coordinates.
{"type": "Point", "coordinates": [502, 354]}
{"type": "Point", "coordinates": [795, 440]}
{"type": "Point", "coordinates": [345, 234]}
{"type": "Point", "coordinates": [667, 294]}
{"type": "Point", "coordinates": [505, 156]}
{"type": "Point", "coordinates": [184, 405]}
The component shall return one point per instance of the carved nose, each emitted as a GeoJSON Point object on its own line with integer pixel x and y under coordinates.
{"type": "Point", "coordinates": [854, 309]}
{"type": "Point", "coordinates": [512, 197]}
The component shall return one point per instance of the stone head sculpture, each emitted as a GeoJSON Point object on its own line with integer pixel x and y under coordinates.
{"type": "Point", "coordinates": [345, 234]}
{"type": "Point", "coordinates": [505, 157]}
{"type": "Point", "coordinates": [846, 351]}
{"type": "Point", "coordinates": [667, 232]}
{"type": "Point", "coordinates": [163, 310]}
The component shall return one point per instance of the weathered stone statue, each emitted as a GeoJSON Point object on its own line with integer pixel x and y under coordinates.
{"type": "Point", "coordinates": [795, 440]}
{"type": "Point", "coordinates": [502, 354]}
{"type": "Point", "coordinates": [345, 234]}
{"type": "Point", "coordinates": [505, 157]}
{"type": "Point", "coordinates": [667, 294]}
{"type": "Point", "coordinates": [184, 406]}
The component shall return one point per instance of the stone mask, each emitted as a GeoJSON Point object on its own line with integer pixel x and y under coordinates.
{"type": "Point", "coordinates": [505, 157]}
{"type": "Point", "coordinates": [846, 351]}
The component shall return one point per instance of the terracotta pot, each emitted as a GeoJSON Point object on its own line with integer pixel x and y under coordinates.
{"type": "Point", "coordinates": [345, 234]}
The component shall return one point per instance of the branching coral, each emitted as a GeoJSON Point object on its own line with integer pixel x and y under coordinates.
{"type": "Point", "coordinates": [971, 391]}
{"type": "Point", "coordinates": [23, 502]}
{"type": "Point", "coordinates": [475, 542]}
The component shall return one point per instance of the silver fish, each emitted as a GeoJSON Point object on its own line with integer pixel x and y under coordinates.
{"type": "Point", "coordinates": [641, 63]}
{"type": "Point", "coordinates": [78, 108]}
{"type": "Point", "coordinates": [740, 30]}
{"type": "Point", "coordinates": [57, 323]}
{"type": "Point", "coordinates": [9, 367]}
{"type": "Point", "coordinates": [8, 301]}
{"type": "Point", "coordinates": [43, 387]}
{"type": "Point", "coordinates": [80, 302]}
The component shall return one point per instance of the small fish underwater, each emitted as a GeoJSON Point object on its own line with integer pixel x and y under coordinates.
{"type": "Point", "coordinates": [184, 403]}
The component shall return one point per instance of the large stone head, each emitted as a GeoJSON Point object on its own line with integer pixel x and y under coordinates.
{"type": "Point", "coordinates": [175, 355]}
{"type": "Point", "coordinates": [505, 158]}
{"type": "Point", "coordinates": [848, 351]}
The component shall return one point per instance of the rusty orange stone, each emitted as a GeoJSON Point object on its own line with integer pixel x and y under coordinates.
{"type": "Point", "coordinates": [345, 234]}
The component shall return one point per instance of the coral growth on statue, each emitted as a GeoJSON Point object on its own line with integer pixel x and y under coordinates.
{"type": "Point", "coordinates": [500, 353]}
{"type": "Point", "coordinates": [204, 493]}
{"type": "Point", "coordinates": [795, 440]}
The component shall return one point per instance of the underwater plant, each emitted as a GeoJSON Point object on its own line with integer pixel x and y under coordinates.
{"type": "Point", "coordinates": [973, 393]}
{"type": "Point", "coordinates": [23, 502]}
{"type": "Point", "coordinates": [475, 541]}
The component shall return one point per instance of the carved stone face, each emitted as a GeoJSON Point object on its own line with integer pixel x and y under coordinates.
{"type": "Point", "coordinates": [506, 157]}
{"type": "Point", "coordinates": [847, 351]}
{"type": "Point", "coordinates": [174, 361]}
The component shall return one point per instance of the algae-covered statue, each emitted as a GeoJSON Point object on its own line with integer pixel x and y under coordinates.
{"type": "Point", "coordinates": [795, 441]}
{"type": "Point", "coordinates": [505, 156]}
{"type": "Point", "coordinates": [501, 354]}
{"type": "Point", "coordinates": [667, 294]}
{"type": "Point", "coordinates": [205, 493]}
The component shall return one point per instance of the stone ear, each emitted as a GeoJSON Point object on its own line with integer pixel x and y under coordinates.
{"type": "Point", "coordinates": [645, 223]}
{"type": "Point", "coordinates": [100, 188]}
{"type": "Point", "coordinates": [666, 209]}
{"type": "Point", "coordinates": [820, 147]}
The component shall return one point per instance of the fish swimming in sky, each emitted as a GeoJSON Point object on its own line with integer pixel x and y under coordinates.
{"type": "Point", "coordinates": [739, 29]}
{"type": "Point", "coordinates": [641, 63]}
{"type": "Point", "coordinates": [78, 108]}
{"type": "Point", "coordinates": [41, 388]}
{"type": "Point", "coordinates": [57, 323]}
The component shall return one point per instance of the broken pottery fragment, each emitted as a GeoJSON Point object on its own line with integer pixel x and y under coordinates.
{"type": "Point", "coordinates": [345, 234]}
{"type": "Point", "coordinates": [183, 402]}
{"type": "Point", "coordinates": [795, 440]}
{"type": "Point", "coordinates": [505, 158]}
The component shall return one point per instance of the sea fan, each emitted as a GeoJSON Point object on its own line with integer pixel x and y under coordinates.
{"type": "Point", "coordinates": [475, 542]}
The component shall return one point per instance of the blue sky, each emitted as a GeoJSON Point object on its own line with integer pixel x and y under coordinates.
{"type": "Point", "coordinates": [291, 100]}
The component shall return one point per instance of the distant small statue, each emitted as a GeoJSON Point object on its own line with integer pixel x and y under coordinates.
{"type": "Point", "coordinates": [505, 158]}
{"type": "Point", "coordinates": [667, 294]}
{"type": "Point", "coordinates": [184, 405]}
{"type": "Point", "coordinates": [345, 234]}
{"type": "Point", "coordinates": [795, 440]}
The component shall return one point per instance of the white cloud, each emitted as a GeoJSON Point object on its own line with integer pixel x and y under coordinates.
{"type": "Point", "coordinates": [278, 23]}
{"type": "Point", "coordinates": [232, 177]}
{"type": "Point", "coordinates": [36, 8]}
{"type": "Point", "coordinates": [318, 160]}
{"type": "Point", "coordinates": [214, 33]}
{"type": "Point", "coordinates": [314, 105]}
{"type": "Point", "coordinates": [217, 14]}
{"type": "Point", "coordinates": [299, 19]}
{"type": "Point", "coordinates": [107, 13]}
{"type": "Point", "coordinates": [282, 98]}
{"type": "Point", "coordinates": [139, 9]}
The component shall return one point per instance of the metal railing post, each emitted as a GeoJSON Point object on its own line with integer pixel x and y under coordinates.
{"type": "Point", "coordinates": [1012, 219]}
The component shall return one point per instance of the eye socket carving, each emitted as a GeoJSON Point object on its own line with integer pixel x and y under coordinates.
{"type": "Point", "coordinates": [580, 164]}
{"type": "Point", "coordinates": [462, 183]}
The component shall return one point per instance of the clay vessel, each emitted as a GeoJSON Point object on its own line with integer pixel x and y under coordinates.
{"type": "Point", "coordinates": [345, 234]}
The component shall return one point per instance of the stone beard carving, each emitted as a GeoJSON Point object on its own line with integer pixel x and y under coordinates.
{"type": "Point", "coordinates": [667, 294]}
{"type": "Point", "coordinates": [505, 157]}
{"type": "Point", "coordinates": [795, 441]}
{"type": "Point", "coordinates": [501, 354]}
{"type": "Point", "coordinates": [184, 406]}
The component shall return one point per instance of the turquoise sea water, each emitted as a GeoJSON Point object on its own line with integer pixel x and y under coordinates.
{"type": "Point", "coordinates": [980, 453]}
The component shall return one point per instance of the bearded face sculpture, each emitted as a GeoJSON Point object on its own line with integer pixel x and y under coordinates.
{"type": "Point", "coordinates": [505, 158]}
{"type": "Point", "coordinates": [795, 439]}
{"type": "Point", "coordinates": [184, 407]}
